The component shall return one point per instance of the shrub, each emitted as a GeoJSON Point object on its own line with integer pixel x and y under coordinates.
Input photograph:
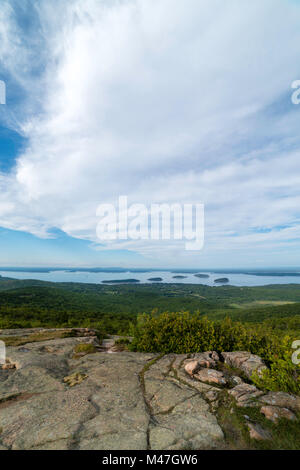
{"type": "Point", "coordinates": [86, 348]}
{"type": "Point", "coordinates": [185, 333]}
{"type": "Point", "coordinates": [282, 375]}
{"type": "Point", "coordinates": [122, 341]}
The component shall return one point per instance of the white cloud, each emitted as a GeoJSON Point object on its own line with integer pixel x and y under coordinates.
{"type": "Point", "coordinates": [163, 102]}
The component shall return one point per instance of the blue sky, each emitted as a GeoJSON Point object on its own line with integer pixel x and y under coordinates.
{"type": "Point", "coordinates": [28, 250]}
{"type": "Point", "coordinates": [11, 145]}
{"type": "Point", "coordinates": [159, 102]}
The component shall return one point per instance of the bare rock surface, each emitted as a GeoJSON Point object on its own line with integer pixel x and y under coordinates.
{"type": "Point", "coordinates": [189, 425]}
{"type": "Point", "coordinates": [52, 399]}
{"type": "Point", "coordinates": [23, 332]}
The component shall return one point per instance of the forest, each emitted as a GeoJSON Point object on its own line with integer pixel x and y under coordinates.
{"type": "Point", "coordinates": [178, 318]}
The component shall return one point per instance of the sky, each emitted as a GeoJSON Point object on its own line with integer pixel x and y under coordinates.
{"type": "Point", "coordinates": [164, 101]}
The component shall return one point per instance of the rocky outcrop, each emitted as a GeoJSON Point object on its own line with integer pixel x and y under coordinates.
{"type": "Point", "coordinates": [281, 399]}
{"type": "Point", "coordinates": [245, 361]}
{"type": "Point", "coordinates": [53, 399]}
{"type": "Point", "coordinates": [192, 367]}
{"type": "Point", "coordinates": [189, 425]}
{"type": "Point", "coordinates": [100, 401]}
{"type": "Point", "coordinates": [207, 359]}
{"type": "Point", "coordinates": [235, 380]}
{"type": "Point", "coordinates": [274, 413]}
{"type": "Point", "coordinates": [245, 395]}
{"type": "Point", "coordinates": [211, 376]}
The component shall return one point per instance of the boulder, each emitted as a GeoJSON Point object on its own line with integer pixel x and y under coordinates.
{"type": "Point", "coordinates": [282, 399]}
{"type": "Point", "coordinates": [245, 394]}
{"type": "Point", "coordinates": [235, 380]}
{"type": "Point", "coordinates": [207, 359]}
{"type": "Point", "coordinates": [274, 413]}
{"type": "Point", "coordinates": [84, 332]}
{"type": "Point", "coordinates": [8, 366]}
{"type": "Point", "coordinates": [210, 376]}
{"type": "Point", "coordinates": [192, 367]}
{"type": "Point", "coordinates": [245, 361]}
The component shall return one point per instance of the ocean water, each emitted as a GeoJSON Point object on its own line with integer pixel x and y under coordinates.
{"type": "Point", "coordinates": [236, 279]}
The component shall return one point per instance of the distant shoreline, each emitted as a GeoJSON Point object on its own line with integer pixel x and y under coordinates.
{"type": "Point", "coordinates": [295, 272]}
{"type": "Point", "coordinates": [159, 278]}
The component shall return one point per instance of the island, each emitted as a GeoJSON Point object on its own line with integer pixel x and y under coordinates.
{"type": "Point", "coordinates": [202, 276]}
{"type": "Point", "coordinates": [222, 280]}
{"type": "Point", "coordinates": [155, 279]}
{"type": "Point", "coordinates": [179, 277]}
{"type": "Point", "coordinates": [121, 281]}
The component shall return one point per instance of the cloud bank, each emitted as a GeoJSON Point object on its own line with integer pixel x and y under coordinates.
{"type": "Point", "coordinates": [163, 101]}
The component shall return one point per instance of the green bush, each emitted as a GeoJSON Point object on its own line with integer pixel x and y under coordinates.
{"type": "Point", "coordinates": [282, 375]}
{"type": "Point", "coordinates": [86, 348]}
{"type": "Point", "coordinates": [184, 333]}
{"type": "Point", "coordinates": [122, 341]}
